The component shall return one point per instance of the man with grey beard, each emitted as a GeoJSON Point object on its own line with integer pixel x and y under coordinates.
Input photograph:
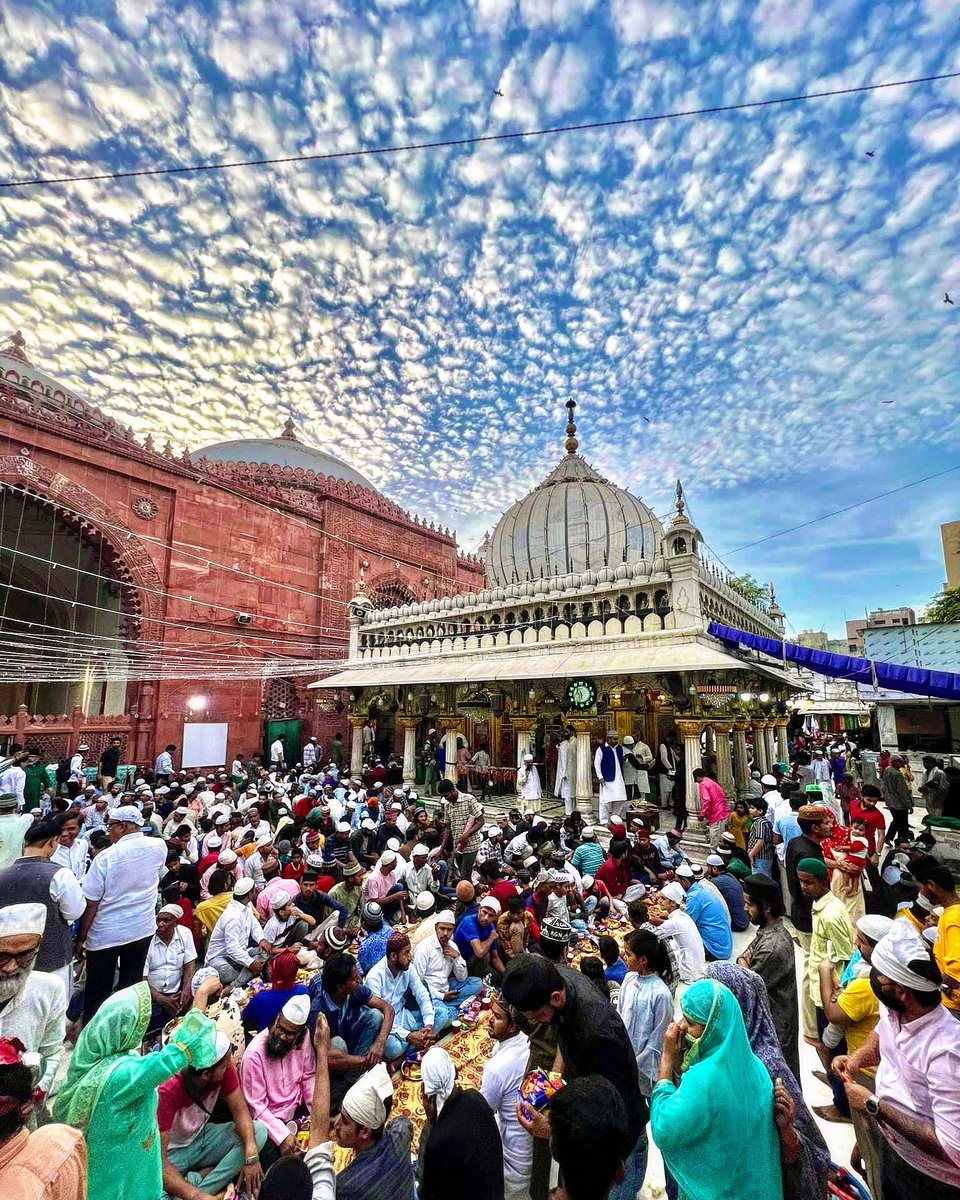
{"type": "Point", "coordinates": [33, 1004]}
{"type": "Point", "coordinates": [277, 1073]}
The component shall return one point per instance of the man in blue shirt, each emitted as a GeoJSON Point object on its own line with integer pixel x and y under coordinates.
{"type": "Point", "coordinates": [476, 939]}
{"type": "Point", "coordinates": [359, 1021]}
{"type": "Point", "coordinates": [730, 889]}
{"type": "Point", "coordinates": [708, 914]}
{"type": "Point", "coordinates": [373, 945]}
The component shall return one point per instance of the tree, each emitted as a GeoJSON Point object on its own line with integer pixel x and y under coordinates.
{"type": "Point", "coordinates": [945, 606]}
{"type": "Point", "coordinates": [749, 588]}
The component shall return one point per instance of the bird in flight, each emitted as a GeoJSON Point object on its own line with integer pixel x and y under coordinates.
{"type": "Point", "coordinates": [497, 92]}
{"type": "Point", "coordinates": [886, 401]}
{"type": "Point", "coordinates": [871, 154]}
{"type": "Point", "coordinates": [946, 298]}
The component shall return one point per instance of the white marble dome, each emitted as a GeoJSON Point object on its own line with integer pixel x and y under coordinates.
{"type": "Point", "coordinates": [573, 522]}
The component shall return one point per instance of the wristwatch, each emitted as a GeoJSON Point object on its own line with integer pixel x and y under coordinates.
{"type": "Point", "coordinates": [872, 1106]}
{"type": "Point", "coordinates": [251, 1159]}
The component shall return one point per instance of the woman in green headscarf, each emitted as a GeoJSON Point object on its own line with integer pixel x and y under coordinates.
{"type": "Point", "coordinates": [716, 1129]}
{"type": "Point", "coordinates": [110, 1091]}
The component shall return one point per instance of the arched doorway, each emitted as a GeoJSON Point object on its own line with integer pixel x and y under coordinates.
{"type": "Point", "coordinates": [64, 602]}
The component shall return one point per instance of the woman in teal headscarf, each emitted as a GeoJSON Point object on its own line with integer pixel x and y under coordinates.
{"type": "Point", "coordinates": [716, 1130]}
{"type": "Point", "coordinates": [110, 1091]}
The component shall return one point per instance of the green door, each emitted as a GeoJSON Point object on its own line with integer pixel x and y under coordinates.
{"type": "Point", "coordinates": [289, 733]}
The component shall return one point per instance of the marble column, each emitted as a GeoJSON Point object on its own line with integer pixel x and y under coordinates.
{"type": "Point", "coordinates": [409, 748]}
{"type": "Point", "coordinates": [522, 727]}
{"type": "Point", "coordinates": [451, 727]}
{"type": "Point", "coordinates": [740, 772]}
{"type": "Point", "coordinates": [721, 733]}
{"type": "Point", "coordinates": [692, 761]}
{"type": "Point", "coordinates": [583, 791]}
{"type": "Point", "coordinates": [760, 762]}
{"type": "Point", "coordinates": [783, 752]}
{"type": "Point", "coordinates": [356, 745]}
{"type": "Point", "coordinates": [768, 745]}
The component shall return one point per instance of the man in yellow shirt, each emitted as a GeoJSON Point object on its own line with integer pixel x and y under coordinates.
{"type": "Point", "coordinates": [208, 912]}
{"type": "Point", "coordinates": [938, 886]}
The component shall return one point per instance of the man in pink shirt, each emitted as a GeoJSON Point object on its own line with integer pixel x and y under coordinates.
{"type": "Point", "coordinates": [277, 1072]}
{"type": "Point", "coordinates": [383, 886]}
{"type": "Point", "coordinates": [714, 810]}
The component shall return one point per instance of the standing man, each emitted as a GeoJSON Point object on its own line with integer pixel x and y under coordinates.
{"type": "Point", "coordinates": [336, 750]}
{"type": "Point", "coordinates": [310, 753]}
{"type": "Point", "coordinates": [608, 768]}
{"type": "Point", "coordinates": [428, 756]}
{"type": "Point", "coordinates": [896, 795]}
{"type": "Point", "coordinates": [34, 879]}
{"type": "Point", "coordinates": [78, 779]}
{"type": "Point", "coordinates": [13, 825]}
{"type": "Point", "coordinates": [13, 777]}
{"type": "Point", "coordinates": [463, 815]}
{"type": "Point", "coordinates": [566, 767]}
{"type": "Point", "coordinates": [714, 809]}
{"type": "Point", "coordinates": [771, 954]}
{"type": "Point", "coordinates": [816, 825]}
{"type": "Point", "coordinates": [163, 767]}
{"type": "Point", "coordinates": [121, 893]}
{"type": "Point", "coordinates": [637, 758]}
{"type": "Point", "coordinates": [277, 753]}
{"type": "Point", "coordinates": [502, 1076]}
{"type": "Point", "coordinates": [109, 761]}
{"type": "Point", "coordinates": [934, 786]}
{"type": "Point", "coordinates": [938, 887]}
{"type": "Point", "coordinates": [668, 763]}
{"type": "Point", "coordinates": [832, 935]}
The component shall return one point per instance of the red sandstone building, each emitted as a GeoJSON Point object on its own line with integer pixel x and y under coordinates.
{"type": "Point", "coordinates": [243, 551]}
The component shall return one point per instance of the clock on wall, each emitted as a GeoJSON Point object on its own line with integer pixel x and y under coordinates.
{"type": "Point", "coordinates": [581, 693]}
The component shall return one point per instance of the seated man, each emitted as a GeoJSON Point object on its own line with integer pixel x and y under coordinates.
{"type": "Point", "coordinates": [476, 938]}
{"type": "Point", "coordinates": [208, 912]}
{"type": "Point", "coordinates": [318, 904]}
{"type": "Point", "coordinates": [730, 889]}
{"type": "Point", "coordinates": [373, 943]}
{"type": "Point", "coordinates": [264, 1007]}
{"type": "Point", "coordinates": [359, 1021]}
{"type": "Point", "coordinates": [383, 887]}
{"type": "Point", "coordinates": [393, 980]}
{"type": "Point", "coordinates": [200, 1157]}
{"type": "Point", "coordinates": [168, 970]}
{"type": "Point", "coordinates": [382, 1166]}
{"type": "Point", "coordinates": [668, 847]}
{"type": "Point", "coordinates": [287, 928]}
{"type": "Point", "coordinates": [349, 892]}
{"type": "Point", "coordinates": [708, 914]}
{"type": "Point", "coordinates": [277, 1072]}
{"type": "Point", "coordinates": [234, 946]}
{"type": "Point", "coordinates": [443, 969]}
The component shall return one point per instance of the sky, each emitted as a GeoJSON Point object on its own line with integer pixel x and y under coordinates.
{"type": "Point", "coordinates": [746, 301]}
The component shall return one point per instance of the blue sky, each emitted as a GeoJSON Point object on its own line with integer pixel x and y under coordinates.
{"type": "Point", "coordinates": [753, 284]}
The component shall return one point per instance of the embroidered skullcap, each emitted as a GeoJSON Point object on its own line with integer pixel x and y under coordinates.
{"type": "Point", "coordinates": [896, 955]}
{"type": "Point", "coordinates": [335, 938]}
{"type": "Point", "coordinates": [813, 812]}
{"type": "Point", "coordinates": [684, 870]}
{"type": "Point", "coordinates": [226, 858]}
{"type": "Point", "coordinates": [714, 860]}
{"type": "Point", "coordinates": [201, 975]}
{"type": "Point", "coordinates": [296, 1010]}
{"type": "Point", "coordinates": [635, 891]}
{"type": "Point", "coordinates": [465, 891]}
{"type": "Point", "coordinates": [280, 899]}
{"type": "Point", "coordinates": [365, 1102]}
{"type": "Point", "coordinates": [397, 941]}
{"type": "Point", "coordinates": [23, 920]}
{"type": "Point", "coordinates": [556, 930]}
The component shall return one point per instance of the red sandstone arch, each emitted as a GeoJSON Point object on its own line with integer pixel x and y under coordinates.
{"type": "Point", "coordinates": [127, 559]}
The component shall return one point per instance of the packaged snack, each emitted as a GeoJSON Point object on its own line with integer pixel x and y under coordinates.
{"type": "Point", "coordinates": [538, 1088]}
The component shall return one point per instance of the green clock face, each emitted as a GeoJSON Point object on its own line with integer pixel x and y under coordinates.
{"type": "Point", "coordinates": [581, 693]}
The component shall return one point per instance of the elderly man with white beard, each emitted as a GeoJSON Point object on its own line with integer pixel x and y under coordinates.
{"type": "Point", "coordinates": [33, 1004]}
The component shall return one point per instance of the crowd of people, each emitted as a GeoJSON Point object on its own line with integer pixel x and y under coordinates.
{"type": "Point", "coordinates": [214, 982]}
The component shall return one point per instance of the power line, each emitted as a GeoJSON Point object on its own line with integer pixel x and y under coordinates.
{"type": "Point", "coordinates": [478, 139]}
{"type": "Point", "coordinates": [846, 508]}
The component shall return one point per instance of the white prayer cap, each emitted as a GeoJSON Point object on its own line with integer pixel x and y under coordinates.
{"type": "Point", "coordinates": [315, 861]}
{"type": "Point", "coordinates": [396, 807]}
{"type": "Point", "coordinates": [21, 920]}
{"type": "Point", "coordinates": [894, 953]}
{"type": "Point", "coordinates": [366, 823]}
{"type": "Point", "coordinates": [343, 827]}
{"type": "Point", "coordinates": [492, 831]}
{"type": "Point", "coordinates": [684, 870]}
{"type": "Point", "coordinates": [181, 810]}
{"type": "Point", "coordinates": [296, 1010]}
{"type": "Point", "coordinates": [925, 904]}
{"type": "Point", "coordinates": [126, 814]}
{"type": "Point", "coordinates": [492, 903]}
{"type": "Point", "coordinates": [161, 791]}
{"type": "Point", "coordinates": [587, 882]}
{"type": "Point", "coordinates": [768, 780]}
{"type": "Point", "coordinates": [539, 821]}
{"type": "Point", "coordinates": [222, 818]}
{"type": "Point", "coordinates": [378, 785]}
{"type": "Point", "coordinates": [214, 841]}
{"type": "Point", "coordinates": [419, 851]}
{"type": "Point", "coordinates": [244, 886]}
{"type": "Point", "coordinates": [588, 832]}
{"type": "Point", "coordinates": [280, 899]}
{"type": "Point", "coordinates": [265, 839]}
{"type": "Point", "coordinates": [874, 926]}
{"type": "Point", "coordinates": [528, 758]}
{"type": "Point", "coordinates": [393, 844]}
{"type": "Point", "coordinates": [438, 1074]}
{"type": "Point", "coordinates": [388, 858]}
{"type": "Point", "coordinates": [207, 796]}
{"type": "Point", "coordinates": [424, 902]}
{"type": "Point", "coordinates": [226, 858]}
{"type": "Point", "coordinates": [365, 1102]}
{"type": "Point", "coordinates": [714, 860]}
{"type": "Point", "coordinates": [446, 917]}
{"type": "Point", "coordinates": [674, 892]}
{"type": "Point", "coordinates": [636, 891]}
{"type": "Point", "coordinates": [171, 910]}
{"type": "Point", "coordinates": [930, 934]}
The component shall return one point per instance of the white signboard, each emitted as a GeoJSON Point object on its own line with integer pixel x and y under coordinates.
{"type": "Point", "coordinates": [204, 744]}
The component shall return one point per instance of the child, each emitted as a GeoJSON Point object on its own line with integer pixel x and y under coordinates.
{"type": "Point", "coordinates": [739, 823]}
{"type": "Point", "coordinates": [644, 1003]}
{"type": "Point", "coordinates": [846, 856]}
{"type": "Point", "coordinates": [516, 928]}
{"type": "Point", "coordinates": [616, 968]}
{"type": "Point", "coordinates": [296, 866]}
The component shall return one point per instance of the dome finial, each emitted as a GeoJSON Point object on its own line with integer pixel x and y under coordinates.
{"type": "Point", "coordinates": [571, 444]}
{"type": "Point", "coordinates": [288, 431]}
{"type": "Point", "coordinates": [680, 505]}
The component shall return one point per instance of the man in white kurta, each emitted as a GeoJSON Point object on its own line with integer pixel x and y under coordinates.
{"type": "Point", "coordinates": [566, 763]}
{"type": "Point", "coordinates": [638, 757]}
{"type": "Point", "coordinates": [502, 1075]}
{"type": "Point", "coordinates": [608, 767]}
{"type": "Point", "coordinates": [528, 783]}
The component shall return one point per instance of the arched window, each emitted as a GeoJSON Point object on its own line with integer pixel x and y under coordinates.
{"type": "Point", "coordinates": [679, 545]}
{"type": "Point", "coordinates": [661, 602]}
